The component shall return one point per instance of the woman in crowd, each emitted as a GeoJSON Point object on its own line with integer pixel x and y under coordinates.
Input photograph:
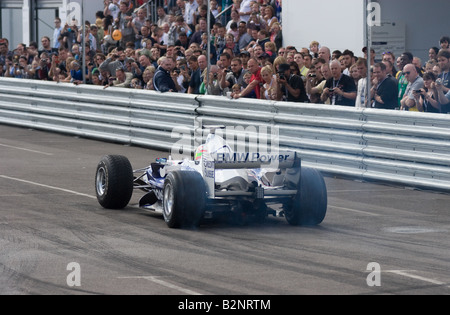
{"type": "Point", "coordinates": [426, 98]}
{"type": "Point", "coordinates": [269, 88]}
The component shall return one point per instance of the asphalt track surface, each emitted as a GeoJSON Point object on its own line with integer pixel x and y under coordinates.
{"type": "Point", "coordinates": [49, 218]}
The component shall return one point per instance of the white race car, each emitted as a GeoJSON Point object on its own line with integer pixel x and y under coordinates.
{"type": "Point", "coordinates": [217, 181]}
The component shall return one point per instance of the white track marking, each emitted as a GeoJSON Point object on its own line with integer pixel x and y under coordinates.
{"type": "Point", "coordinates": [354, 210]}
{"type": "Point", "coordinates": [164, 283]}
{"type": "Point", "coordinates": [408, 274]}
{"type": "Point", "coordinates": [47, 186]}
{"type": "Point", "coordinates": [24, 149]}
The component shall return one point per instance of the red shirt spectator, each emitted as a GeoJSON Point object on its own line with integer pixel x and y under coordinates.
{"type": "Point", "coordinates": [255, 81]}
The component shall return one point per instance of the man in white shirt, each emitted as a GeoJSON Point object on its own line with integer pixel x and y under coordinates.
{"type": "Point", "coordinates": [189, 9]}
{"type": "Point", "coordinates": [57, 33]}
{"type": "Point", "coordinates": [245, 10]}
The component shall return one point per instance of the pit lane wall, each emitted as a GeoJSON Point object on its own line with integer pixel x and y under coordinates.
{"type": "Point", "coordinates": [403, 148]}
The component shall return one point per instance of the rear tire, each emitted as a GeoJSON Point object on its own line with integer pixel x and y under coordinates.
{"type": "Point", "coordinates": [309, 206]}
{"type": "Point", "coordinates": [114, 182]}
{"type": "Point", "coordinates": [184, 199]}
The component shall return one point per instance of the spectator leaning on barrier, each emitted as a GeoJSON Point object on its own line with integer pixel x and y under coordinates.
{"type": "Point", "coordinates": [235, 76]}
{"type": "Point", "coordinates": [123, 79]}
{"type": "Point", "coordinates": [255, 81]}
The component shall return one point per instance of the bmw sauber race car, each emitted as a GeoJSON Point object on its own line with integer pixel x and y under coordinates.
{"type": "Point", "coordinates": [216, 182]}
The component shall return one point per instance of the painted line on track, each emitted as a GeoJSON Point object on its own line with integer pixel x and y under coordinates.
{"type": "Point", "coordinates": [47, 186]}
{"type": "Point", "coordinates": [409, 274]}
{"type": "Point", "coordinates": [164, 283]}
{"type": "Point", "coordinates": [24, 149]}
{"type": "Point", "coordinates": [354, 210]}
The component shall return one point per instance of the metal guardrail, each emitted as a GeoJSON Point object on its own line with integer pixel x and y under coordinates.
{"type": "Point", "coordinates": [405, 148]}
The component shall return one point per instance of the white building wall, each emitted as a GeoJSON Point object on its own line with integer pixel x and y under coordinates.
{"type": "Point", "coordinates": [340, 24]}
{"type": "Point", "coordinates": [335, 24]}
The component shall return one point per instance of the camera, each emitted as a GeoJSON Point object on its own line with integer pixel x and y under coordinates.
{"type": "Point", "coordinates": [331, 90]}
{"type": "Point", "coordinates": [177, 71]}
{"type": "Point", "coordinates": [417, 91]}
{"type": "Point", "coordinates": [282, 76]}
{"type": "Point", "coordinates": [439, 81]}
{"type": "Point", "coordinates": [215, 75]}
{"type": "Point", "coordinates": [312, 75]}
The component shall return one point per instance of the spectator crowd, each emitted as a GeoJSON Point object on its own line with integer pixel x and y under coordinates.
{"type": "Point", "coordinates": [125, 48]}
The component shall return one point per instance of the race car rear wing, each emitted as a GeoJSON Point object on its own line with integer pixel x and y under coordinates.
{"type": "Point", "coordinates": [226, 161]}
{"type": "Point", "coordinates": [248, 160]}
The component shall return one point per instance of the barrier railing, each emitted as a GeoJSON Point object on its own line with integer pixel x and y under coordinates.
{"type": "Point", "coordinates": [406, 148]}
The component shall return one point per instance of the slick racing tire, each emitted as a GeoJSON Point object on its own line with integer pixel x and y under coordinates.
{"type": "Point", "coordinates": [309, 206]}
{"type": "Point", "coordinates": [184, 199]}
{"type": "Point", "coordinates": [114, 182]}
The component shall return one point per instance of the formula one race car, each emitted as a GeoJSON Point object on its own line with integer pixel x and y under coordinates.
{"type": "Point", "coordinates": [217, 181]}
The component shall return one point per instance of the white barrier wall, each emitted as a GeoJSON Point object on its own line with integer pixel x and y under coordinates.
{"type": "Point", "coordinates": [400, 147]}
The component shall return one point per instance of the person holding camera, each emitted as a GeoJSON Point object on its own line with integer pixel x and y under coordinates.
{"type": "Point", "coordinates": [228, 78]}
{"type": "Point", "coordinates": [340, 88]}
{"type": "Point", "coordinates": [427, 97]}
{"type": "Point", "coordinates": [290, 86]}
{"type": "Point", "coordinates": [415, 83]}
{"type": "Point", "coordinates": [213, 87]}
{"type": "Point", "coordinates": [442, 97]}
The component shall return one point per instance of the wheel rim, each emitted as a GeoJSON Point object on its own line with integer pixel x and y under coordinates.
{"type": "Point", "coordinates": [168, 200]}
{"type": "Point", "coordinates": [101, 181]}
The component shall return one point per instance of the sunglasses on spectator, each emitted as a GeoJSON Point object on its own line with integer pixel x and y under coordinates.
{"type": "Point", "coordinates": [407, 73]}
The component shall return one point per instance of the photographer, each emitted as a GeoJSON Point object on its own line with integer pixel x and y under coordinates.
{"type": "Point", "coordinates": [340, 88]}
{"type": "Point", "coordinates": [69, 36]}
{"type": "Point", "coordinates": [115, 60]}
{"type": "Point", "coordinates": [228, 78]}
{"type": "Point", "coordinates": [443, 98]}
{"type": "Point", "coordinates": [290, 86]}
{"type": "Point", "coordinates": [213, 88]}
{"type": "Point", "coordinates": [426, 98]}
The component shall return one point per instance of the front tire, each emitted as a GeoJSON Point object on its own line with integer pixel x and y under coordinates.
{"type": "Point", "coordinates": [114, 182]}
{"type": "Point", "coordinates": [184, 199]}
{"type": "Point", "coordinates": [309, 206]}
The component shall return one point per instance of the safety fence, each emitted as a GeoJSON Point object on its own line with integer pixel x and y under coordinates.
{"type": "Point", "coordinates": [406, 148]}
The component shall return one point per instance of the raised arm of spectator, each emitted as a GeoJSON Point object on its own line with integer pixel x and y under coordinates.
{"type": "Point", "coordinates": [222, 77]}
{"type": "Point", "coordinates": [247, 90]}
{"type": "Point", "coordinates": [443, 98]}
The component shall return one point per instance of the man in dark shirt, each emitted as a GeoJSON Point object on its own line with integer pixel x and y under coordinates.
{"type": "Point", "coordinates": [196, 80]}
{"type": "Point", "coordinates": [340, 88]}
{"type": "Point", "coordinates": [162, 81]}
{"type": "Point", "coordinates": [385, 91]}
{"type": "Point", "coordinates": [291, 86]}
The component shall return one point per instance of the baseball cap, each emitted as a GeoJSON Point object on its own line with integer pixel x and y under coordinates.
{"type": "Point", "coordinates": [244, 53]}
